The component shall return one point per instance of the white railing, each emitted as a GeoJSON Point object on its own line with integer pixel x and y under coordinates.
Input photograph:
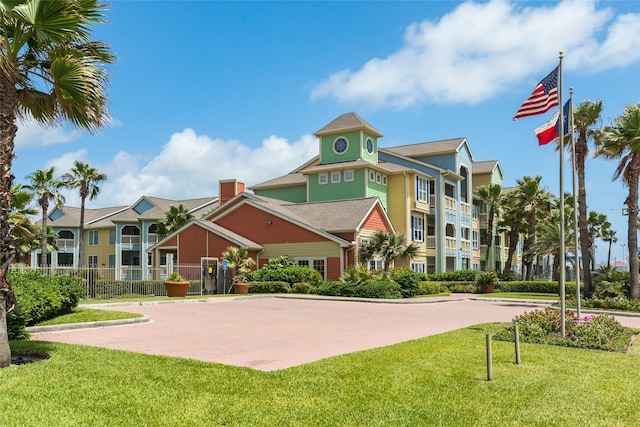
{"type": "Point", "coordinates": [465, 208]}
{"type": "Point", "coordinates": [465, 245]}
{"type": "Point", "coordinates": [152, 238]}
{"type": "Point", "coordinates": [450, 242]}
{"type": "Point", "coordinates": [431, 242]}
{"type": "Point", "coordinates": [450, 203]}
{"type": "Point", "coordinates": [130, 240]}
{"type": "Point", "coordinates": [64, 245]}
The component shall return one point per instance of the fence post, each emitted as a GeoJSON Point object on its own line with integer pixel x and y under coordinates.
{"type": "Point", "coordinates": [489, 359]}
{"type": "Point", "coordinates": [517, 343]}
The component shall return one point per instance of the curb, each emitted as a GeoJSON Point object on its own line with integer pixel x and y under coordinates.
{"type": "Point", "coordinates": [87, 325]}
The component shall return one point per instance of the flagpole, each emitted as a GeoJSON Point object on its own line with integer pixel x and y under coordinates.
{"type": "Point", "coordinates": [562, 248]}
{"type": "Point", "coordinates": [575, 200]}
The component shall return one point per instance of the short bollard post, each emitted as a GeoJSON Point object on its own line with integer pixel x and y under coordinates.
{"type": "Point", "coordinates": [489, 361]}
{"type": "Point", "coordinates": [517, 343]}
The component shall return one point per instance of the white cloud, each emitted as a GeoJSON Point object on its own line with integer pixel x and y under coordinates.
{"type": "Point", "coordinates": [481, 49]}
{"type": "Point", "coordinates": [32, 135]}
{"type": "Point", "coordinates": [190, 166]}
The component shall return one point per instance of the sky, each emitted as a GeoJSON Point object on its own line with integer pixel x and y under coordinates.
{"type": "Point", "coordinates": [209, 90]}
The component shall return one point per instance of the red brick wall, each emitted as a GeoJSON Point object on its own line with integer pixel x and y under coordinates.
{"type": "Point", "coordinates": [229, 189]}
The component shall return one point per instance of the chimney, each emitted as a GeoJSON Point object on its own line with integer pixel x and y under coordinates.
{"type": "Point", "coordinates": [230, 188]}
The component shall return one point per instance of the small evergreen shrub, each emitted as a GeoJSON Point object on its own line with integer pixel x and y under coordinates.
{"type": "Point", "coordinates": [453, 276]}
{"type": "Point", "coordinates": [269, 288]}
{"type": "Point", "coordinates": [38, 295]}
{"type": "Point", "coordinates": [432, 288]}
{"type": "Point", "coordinates": [336, 288]}
{"type": "Point", "coordinates": [72, 291]}
{"type": "Point", "coordinates": [602, 332]}
{"type": "Point", "coordinates": [620, 303]}
{"type": "Point", "coordinates": [384, 289]}
{"type": "Point", "coordinates": [303, 288]}
{"type": "Point", "coordinates": [408, 280]}
{"type": "Point", "coordinates": [290, 274]}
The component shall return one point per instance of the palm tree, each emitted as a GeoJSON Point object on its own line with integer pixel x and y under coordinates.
{"type": "Point", "coordinates": [595, 222]}
{"type": "Point", "coordinates": [52, 71]}
{"type": "Point", "coordinates": [608, 235]}
{"type": "Point", "coordinates": [387, 246]}
{"type": "Point", "coordinates": [586, 118]}
{"type": "Point", "coordinates": [548, 234]}
{"type": "Point", "coordinates": [173, 219]}
{"type": "Point", "coordinates": [532, 198]}
{"type": "Point", "coordinates": [490, 196]}
{"type": "Point", "coordinates": [46, 188]}
{"type": "Point", "coordinates": [23, 230]}
{"type": "Point", "coordinates": [511, 221]}
{"type": "Point", "coordinates": [87, 179]}
{"type": "Point", "coordinates": [622, 141]}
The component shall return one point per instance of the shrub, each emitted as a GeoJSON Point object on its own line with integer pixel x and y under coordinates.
{"type": "Point", "coordinates": [370, 289]}
{"type": "Point", "coordinates": [71, 289]}
{"type": "Point", "coordinates": [408, 280]}
{"type": "Point", "coordinates": [336, 288]}
{"type": "Point", "coordinates": [460, 287]}
{"type": "Point", "coordinates": [269, 288]}
{"type": "Point", "coordinates": [590, 332]}
{"type": "Point", "coordinates": [452, 276]}
{"type": "Point", "coordinates": [432, 288]}
{"type": "Point", "coordinates": [550, 287]}
{"type": "Point", "coordinates": [486, 281]}
{"type": "Point", "coordinates": [303, 288]}
{"type": "Point", "coordinates": [290, 274]}
{"type": "Point", "coordinates": [612, 303]}
{"type": "Point", "coordinates": [39, 297]}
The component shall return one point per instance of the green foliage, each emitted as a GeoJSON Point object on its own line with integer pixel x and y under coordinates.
{"type": "Point", "coordinates": [408, 280]}
{"type": "Point", "coordinates": [269, 288]}
{"type": "Point", "coordinates": [360, 274]}
{"type": "Point", "coordinates": [303, 288]}
{"type": "Point", "coordinates": [508, 276]}
{"type": "Point", "coordinates": [279, 262]}
{"type": "Point", "coordinates": [175, 277]}
{"type": "Point", "coordinates": [371, 289]}
{"type": "Point", "coordinates": [432, 288]}
{"type": "Point", "coordinates": [489, 277]}
{"type": "Point", "coordinates": [590, 332]}
{"type": "Point", "coordinates": [40, 298]}
{"type": "Point", "coordinates": [290, 275]}
{"type": "Point", "coordinates": [612, 303]}
{"type": "Point", "coordinates": [547, 287]}
{"type": "Point", "coordinates": [452, 276]}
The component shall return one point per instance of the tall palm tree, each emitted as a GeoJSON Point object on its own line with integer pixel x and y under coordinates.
{"type": "Point", "coordinates": [173, 219]}
{"type": "Point", "coordinates": [85, 178]}
{"type": "Point", "coordinates": [622, 141]}
{"type": "Point", "coordinates": [511, 221]}
{"type": "Point", "coordinates": [548, 234]}
{"type": "Point", "coordinates": [586, 119]}
{"type": "Point", "coordinates": [490, 196]}
{"type": "Point", "coordinates": [50, 70]}
{"type": "Point", "coordinates": [532, 198]}
{"type": "Point", "coordinates": [387, 246]}
{"type": "Point", "coordinates": [23, 230]}
{"type": "Point", "coordinates": [595, 222]}
{"type": "Point", "coordinates": [46, 188]}
{"type": "Point", "coordinates": [608, 235]}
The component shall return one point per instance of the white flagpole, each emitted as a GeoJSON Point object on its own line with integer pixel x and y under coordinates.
{"type": "Point", "coordinates": [575, 202]}
{"type": "Point", "coordinates": [562, 249]}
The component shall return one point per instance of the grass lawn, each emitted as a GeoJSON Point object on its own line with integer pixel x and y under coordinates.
{"type": "Point", "coordinates": [438, 380]}
{"type": "Point", "coordinates": [80, 315]}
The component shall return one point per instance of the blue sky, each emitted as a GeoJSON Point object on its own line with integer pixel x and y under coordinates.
{"type": "Point", "coordinates": [206, 90]}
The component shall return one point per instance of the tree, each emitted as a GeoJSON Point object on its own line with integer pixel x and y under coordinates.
{"type": "Point", "coordinates": [387, 246]}
{"type": "Point", "coordinates": [85, 178]}
{"type": "Point", "coordinates": [50, 70]}
{"type": "Point", "coordinates": [46, 188]}
{"type": "Point", "coordinates": [608, 235]}
{"type": "Point", "coordinates": [491, 196]}
{"type": "Point", "coordinates": [595, 222]}
{"type": "Point", "coordinates": [511, 221]}
{"type": "Point", "coordinates": [622, 141]}
{"type": "Point", "coordinates": [173, 219]}
{"type": "Point", "coordinates": [586, 118]}
{"type": "Point", "coordinates": [239, 260]}
{"type": "Point", "coordinates": [532, 198]}
{"type": "Point", "coordinates": [23, 230]}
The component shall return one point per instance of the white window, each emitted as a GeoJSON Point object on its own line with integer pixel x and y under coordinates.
{"type": "Point", "coordinates": [422, 189]}
{"type": "Point", "coordinates": [384, 179]}
{"type": "Point", "coordinates": [465, 233]}
{"type": "Point", "coordinates": [417, 228]}
{"type": "Point", "coordinates": [378, 178]}
{"type": "Point", "coordinates": [315, 263]}
{"type": "Point", "coordinates": [335, 177]}
{"type": "Point", "coordinates": [376, 264]}
{"type": "Point", "coordinates": [93, 238]}
{"type": "Point", "coordinates": [323, 178]}
{"type": "Point", "coordinates": [476, 239]}
{"type": "Point", "coordinates": [93, 261]}
{"type": "Point", "coordinates": [372, 176]}
{"type": "Point", "coordinates": [418, 266]}
{"type": "Point", "coordinates": [348, 175]}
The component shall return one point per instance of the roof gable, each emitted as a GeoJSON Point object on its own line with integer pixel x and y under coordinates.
{"type": "Point", "coordinates": [348, 122]}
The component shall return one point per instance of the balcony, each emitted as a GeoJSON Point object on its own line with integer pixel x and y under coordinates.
{"type": "Point", "coordinates": [465, 209]}
{"type": "Point", "coordinates": [129, 241]}
{"type": "Point", "coordinates": [450, 203]}
{"type": "Point", "coordinates": [450, 243]}
{"type": "Point", "coordinates": [431, 242]}
{"type": "Point", "coordinates": [65, 245]}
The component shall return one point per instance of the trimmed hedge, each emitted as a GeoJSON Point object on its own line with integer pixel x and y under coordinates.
{"type": "Point", "coordinates": [408, 280]}
{"type": "Point", "coordinates": [432, 288]}
{"type": "Point", "coordinates": [269, 288]}
{"type": "Point", "coordinates": [371, 289]}
{"type": "Point", "coordinates": [452, 276]}
{"type": "Point", "coordinates": [550, 287]}
{"type": "Point", "coordinates": [290, 275]}
{"type": "Point", "coordinates": [40, 298]}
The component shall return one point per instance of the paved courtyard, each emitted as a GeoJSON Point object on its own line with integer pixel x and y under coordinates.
{"type": "Point", "coordinates": [275, 333]}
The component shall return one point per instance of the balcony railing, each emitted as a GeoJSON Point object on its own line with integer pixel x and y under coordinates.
{"type": "Point", "coordinates": [450, 203]}
{"type": "Point", "coordinates": [465, 208]}
{"type": "Point", "coordinates": [130, 240]}
{"type": "Point", "coordinates": [450, 243]}
{"type": "Point", "coordinates": [65, 245]}
{"type": "Point", "coordinates": [431, 242]}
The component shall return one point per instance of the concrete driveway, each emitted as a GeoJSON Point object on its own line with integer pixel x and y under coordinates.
{"type": "Point", "coordinates": [275, 333]}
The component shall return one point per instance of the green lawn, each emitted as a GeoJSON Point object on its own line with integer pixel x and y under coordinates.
{"type": "Point", "coordinates": [80, 315]}
{"type": "Point", "coordinates": [438, 380]}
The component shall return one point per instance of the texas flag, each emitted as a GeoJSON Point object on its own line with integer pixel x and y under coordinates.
{"type": "Point", "coordinates": [550, 131]}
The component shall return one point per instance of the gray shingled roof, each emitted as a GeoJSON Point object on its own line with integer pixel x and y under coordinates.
{"type": "Point", "coordinates": [160, 206]}
{"type": "Point", "coordinates": [282, 181]}
{"type": "Point", "coordinates": [484, 167]}
{"type": "Point", "coordinates": [93, 218]}
{"type": "Point", "coordinates": [348, 122]}
{"type": "Point", "coordinates": [427, 148]}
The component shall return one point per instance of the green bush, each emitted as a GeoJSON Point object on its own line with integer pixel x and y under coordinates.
{"type": "Point", "coordinates": [72, 291]}
{"type": "Point", "coordinates": [303, 288]}
{"type": "Point", "coordinates": [589, 332]}
{"type": "Point", "coordinates": [612, 303]}
{"type": "Point", "coordinates": [336, 288]}
{"type": "Point", "coordinates": [460, 287]}
{"type": "Point", "coordinates": [408, 280]}
{"type": "Point", "coordinates": [550, 287]}
{"type": "Point", "coordinates": [38, 295]}
{"type": "Point", "coordinates": [432, 288]}
{"type": "Point", "coordinates": [370, 289]}
{"type": "Point", "coordinates": [452, 276]}
{"type": "Point", "coordinates": [16, 326]}
{"type": "Point", "coordinates": [290, 274]}
{"type": "Point", "coordinates": [269, 288]}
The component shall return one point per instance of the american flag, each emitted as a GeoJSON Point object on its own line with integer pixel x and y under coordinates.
{"type": "Point", "coordinates": [543, 97]}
